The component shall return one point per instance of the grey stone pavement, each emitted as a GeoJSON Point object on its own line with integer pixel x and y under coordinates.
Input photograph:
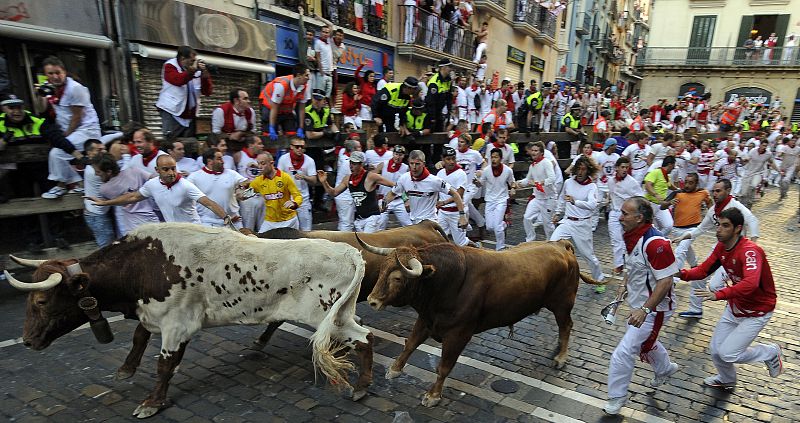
{"type": "Point", "coordinates": [221, 380]}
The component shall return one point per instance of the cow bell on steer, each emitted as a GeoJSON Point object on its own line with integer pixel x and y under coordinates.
{"type": "Point", "coordinates": [100, 327]}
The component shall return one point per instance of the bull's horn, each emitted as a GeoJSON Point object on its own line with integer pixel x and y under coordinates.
{"type": "Point", "coordinates": [416, 268]}
{"type": "Point", "coordinates": [53, 280]}
{"type": "Point", "coordinates": [381, 251]}
{"type": "Point", "coordinates": [27, 262]}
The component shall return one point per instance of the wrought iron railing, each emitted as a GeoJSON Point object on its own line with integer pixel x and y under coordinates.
{"type": "Point", "coordinates": [718, 56]}
{"type": "Point", "coordinates": [430, 30]}
{"type": "Point", "coordinates": [528, 11]}
{"type": "Point", "coordinates": [343, 14]}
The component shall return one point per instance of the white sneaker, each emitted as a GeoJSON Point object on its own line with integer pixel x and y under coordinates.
{"type": "Point", "coordinates": [614, 405]}
{"type": "Point", "coordinates": [76, 190]}
{"type": "Point", "coordinates": [55, 192]}
{"type": "Point", "coordinates": [716, 382]}
{"type": "Point", "coordinates": [775, 364]}
{"type": "Point", "coordinates": [659, 380]}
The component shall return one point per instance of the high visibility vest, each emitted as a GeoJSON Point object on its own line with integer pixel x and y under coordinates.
{"type": "Point", "coordinates": [395, 89]}
{"type": "Point", "coordinates": [637, 120]}
{"type": "Point", "coordinates": [746, 125]}
{"type": "Point", "coordinates": [289, 97]}
{"type": "Point", "coordinates": [416, 123]}
{"type": "Point", "coordinates": [765, 123]}
{"type": "Point", "coordinates": [730, 116]}
{"type": "Point", "coordinates": [440, 86]}
{"type": "Point", "coordinates": [498, 119]}
{"type": "Point", "coordinates": [537, 96]}
{"type": "Point", "coordinates": [794, 127]}
{"type": "Point", "coordinates": [572, 122]}
{"type": "Point", "coordinates": [318, 121]}
{"type": "Point", "coordinates": [31, 130]}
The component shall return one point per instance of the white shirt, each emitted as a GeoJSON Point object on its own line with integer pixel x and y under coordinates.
{"type": "Point", "coordinates": [422, 195]}
{"type": "Point", "coordinates": [495, 188]}
{"type": "Point", "coordinates": [137, 161]}
{"type": "Point", "coordinates": [177, 203]}
{"type": "Point", "coordinates": [541, 172]}
{"type": "Point", "coordinates": [608, 163]}
{"type": "Point", "coordinates": [308, 168]}
{"type": "Point", "coordinates": [637, 155]}
{"type": "Point", "coordinates": [248, 166]}
{"type": "Point", "coordinates": [381, 83]}
{"type": "Point", "coordinates": [471, 161]}
{"type": "Point", "coordinates": [457, 179]}
{"type": "Point", "coordinates": [188, 165]}
{"type": "Point", "coordinates": [789, 156]}
{"type": "Point", "coordinates": [621, 191]}
{"type": "Point", "coordinates": [756, 162]}
{"type": "Point", "coordinates": [239, 120]}
{"type": "Point", "coordinates": [372, 158]}
{"type": "Point", "coordinates": [76, 94]}
{"type": "Point", "coordinates": [710, 221]}
{"type": "Point", "coordinates": [470, 94]}
{"type": "Point", "coordinates": [508, 153]}
{"type": "Point", "coordinates": [647, 263]}
{"type": "Point", "coordinates": [461, 97]}
{"type": "Point", "coordinates": [342, 171]}
{"type": "Point", "coordinates": [91, 185]}
{"type": "Point", "coordinates": [392, 176]}
{"type": "Point", "coordinates": [585, 197]}
{"type": "Point", "coordinates": [325, 54]}
{"type": "Point", "coordinates": [221, 188]}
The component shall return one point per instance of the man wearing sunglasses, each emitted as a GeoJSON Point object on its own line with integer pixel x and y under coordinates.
{"type": "Point", "coordinates": [304, 171]}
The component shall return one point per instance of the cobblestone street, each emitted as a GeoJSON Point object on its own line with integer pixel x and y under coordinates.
{"type": "Point", "coordinates": [221, 380]}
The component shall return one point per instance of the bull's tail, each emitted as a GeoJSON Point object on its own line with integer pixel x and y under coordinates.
{"type": "Point", "coordinates": [584, 277]}
{"type": "Point", "coordinates": [438, 228]}
{"type": "Point", "coordinates": [325, 348]}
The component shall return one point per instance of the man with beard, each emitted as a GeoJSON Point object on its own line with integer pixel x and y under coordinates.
{"type": "Point", "coordinates": [453, 174]}
{"type": "Point", "coordinates": [144, 142]}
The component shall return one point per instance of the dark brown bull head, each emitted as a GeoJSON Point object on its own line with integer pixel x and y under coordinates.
{"type": "Point", "coordinates": [52, 308]}
{"type": "Point", "coordinates": [394, 285]}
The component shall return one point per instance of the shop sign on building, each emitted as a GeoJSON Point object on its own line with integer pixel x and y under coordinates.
{"type": "Point", "coordinates": [515, 55]}
{"type": "Point", "coordinates": [752, 94]}
{"type": "Point", "coordinates": [537, 64]}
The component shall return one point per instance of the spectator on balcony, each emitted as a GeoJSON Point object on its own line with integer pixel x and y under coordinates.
{"type": "Point", "coordinates": [392, 101]}
{"type": "Point", "coordinates": [789, 47]}
{"type": "Point", "coordinates": [769, 45]}
{"type": "Point", "coordinates": [410, 23]}
{"type": "Point", "coordinates": [367, 90]}
{"type": "Point", "coordinates": [758, 45]}
{"type": "Point", "coordinates": [324, 55]}
{"type": "Point", "coordinates": [280, 98]}
{"type": "Point", "coordinates": [480, 41]}
{"type": "Point", "coordinates": [183, 78]}
{"type": "Point", "coordinates": [388, 76]}
{"type": "Point", "coordinates": [305, 43]}
{"type": "Point", "coordinates": [749, 48]}
{"type": "Point", "coordinates": [439, 99]}
{"type": "Point", "coordinates": [351, 104]}
{"type": "Point", "coordinates": [234, 118]}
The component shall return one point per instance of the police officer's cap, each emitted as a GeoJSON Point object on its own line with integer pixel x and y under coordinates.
{"type": "Point", "coordinates": [575, 106]}
{"type": "Point", "coordinates": [411, 82]}
{"type": "Point", "coordinates": [318, 94]}
{"type": "Point", "coordinates": [448, 151]}
{"type": "Point", "coordinates": [445, 62]}
{"type": "Point", "coordinates": [399, 149]}
{"type": "Point", "coordinates": [418, 104]}
{"type": "Point", "coordinates": [11, 100]}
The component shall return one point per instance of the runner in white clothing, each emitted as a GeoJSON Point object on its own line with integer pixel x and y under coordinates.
{"type": "Point", "coordinates": [345, 207]}
{"type": "Point", "coordinates": [144, 141]}
{"type": "Point", "coordinates": [498, 186]}
{"type": "Point", "coordinates": [756, 163]}
{"type": "Point", "coordinates": [304, 170]}
{"type": "Point", "coordinates": [638, 154]}
{"type": "Point", "coordinates": [576, 204]}
{"type": "Point", "coordinates": [379, 154]}
{"type": "Point", "coordinates": [247, 164]}
{"type": "Point", "coordinates": [221, 186]}
{"type": "Point", "coordinates": [540, 206]}
{"type": "Point", "coordinates": [620, 188]}
{"type": "Point", "coordinates": [393, 170]}
{"type": "Point", "coordinates": [788, 164]}
{"type": "Point", "coordinates": [471, 161]}
{"type": "Point", "coordinates": [454, 175]}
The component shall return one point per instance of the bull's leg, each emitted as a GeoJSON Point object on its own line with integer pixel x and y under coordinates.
{"type": "Point", "coordinates": [564, 320]}
{"type": "Point", "coordinates": [452, 345]}
{"type": "Point", "coordinates": [419, 334]}
{"type": "Point", "coordinates": [364, 352]}
{"type": "Point", "coordinates": [263, 340]}
{"type": "Point", "coordinates": [166, 369]}
{"type": "Point", "coordinates": [141, 337]}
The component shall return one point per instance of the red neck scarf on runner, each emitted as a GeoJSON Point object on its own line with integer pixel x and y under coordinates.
{"type": "Point", "coordinates": [455, 168]}
{"type": "Point", "coordinates": [425, 174]}
{"type": "Point", "coordinates": [536, 161]}
{"type": "Point", "coordinates": [587, 181]}
{"type": "Point", "coordinates": [146, 159]}
{"type": "Point", "coordinates": [464, 150]}
{"type": "Point", "coordinates": [632, 237]}
{"type": "Point", "coordinates": [356, 179]}
{"type": "Point", "coordinates": [169, 186]}
{"type": "Point", "coordinates": [380, 150]}
{"type": "Point", "coordinates": [497, 171]}
{"type": "Point", "coordinates": [666, 175]}
{"type": "Point", "coordinates": [618, 179]}
{"type": "Point", "coordinates": [209, 171]}
{"type": "Point", "coordinates": [297, 160]}
{"type": "Point", "coordinates": [718, 208]}
{"type": "Point", "coordinates": [249, 154]}
{"type": "Point", "coordinates": [394, 166]}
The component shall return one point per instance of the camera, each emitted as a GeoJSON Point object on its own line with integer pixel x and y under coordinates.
{"type": "Point", "coordinates": [46, 90]}
{"type": "Point", "coordinates": [212, 69]}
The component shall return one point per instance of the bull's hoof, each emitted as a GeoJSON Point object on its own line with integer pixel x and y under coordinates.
{"type": "Point", "coordinates": [559, 363]}
{"type": "Point", "coordinates": [148, 409]}
{"type": "Point", "coordinates": [359, 394]}
{"type": "Point", "coordinates": [123, 373]}
{"type": "Point", "coordinates": [257, 346]}
{"type": "Point", "coordinates": [391, 374]}
{"type": "Point", "coordinates": [430, 401]}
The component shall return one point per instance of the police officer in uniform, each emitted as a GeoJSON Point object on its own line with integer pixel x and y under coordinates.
{"type": "Point", "coordinates": [417, 121]}
{"type": "Point", "coordinates": [533, 104]}
{"type": "Point", "coordinates": [393, 100]}
{"type": "Point", "coordinates": [439, 95]}
{"type": "Point", "coordinates": [318, 122]}
{"type": "Point", "coordinates": [571, 123]}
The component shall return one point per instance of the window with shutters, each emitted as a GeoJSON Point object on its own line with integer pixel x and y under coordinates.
{"type": "Point", "coordinates": [701, 38]}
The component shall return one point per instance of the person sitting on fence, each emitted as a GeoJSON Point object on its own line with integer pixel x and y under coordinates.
{"type": "Point", "coordinates": [234, 118]}
{"type": "Point", "coordinates": [480, 40]}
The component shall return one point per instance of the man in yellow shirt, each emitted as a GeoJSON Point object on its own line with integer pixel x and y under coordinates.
{"type": "Point", "coordinates": [280, 194]}
{"type": "Point", "coordinates": [656, 186]}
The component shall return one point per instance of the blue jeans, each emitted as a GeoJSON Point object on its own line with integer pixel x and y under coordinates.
{"type": "Point", "coordinates": [102, 228]}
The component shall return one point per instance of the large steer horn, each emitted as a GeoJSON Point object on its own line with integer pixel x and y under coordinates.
{"type": "Point", "coordinates": [416, 268]}
{"type": "Point", "coordinates": [381, 251]}
{"type": "Point", "coordinates": [27, 262]}
{"type": "Point", "coordinates": [53, 280]}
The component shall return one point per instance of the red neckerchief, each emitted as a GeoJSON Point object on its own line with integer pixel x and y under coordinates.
{"type": "Point", "coordinates": [497, 171]}
{"type": "Point", "coordinates": [393, 167]}
{"type": "Point", "coordinates": [249, 154]}
{"type": "Point", "coordinates": [425, 174]}
{"type": "Point", "coordinates": [641, 146]}
{"type": "Point", "coordinates": [618, 179]}
{"type": "Point", "coordinates": [347, 153]}
{"type": "Point", "coordinates": [169, 186]}
{"type": "Point", "coordinates": [297, 162]}
{"type": "Point", "coordinates": [148, 158]}
{"type": "Point", "coordinates": [464, 150]}
{"type": "Point", "coordinates": [455, 168]}
{"type": "Point", "coordinates": [494, 144]}
{"type": "Point", "coordinates": [355, 180]}
{"type": "Point", "coordinates": [209, 171]}
{"type": "Point", "coordinates": [380, 150]}
{"type": "Point", "coordinates": [718, 208]}
{"type": "Point", "coordinates": [535, 161]}
{"type": "Point", "coordinates": [632, 237]}
{"type": "Point", "coordinates": [666, 175]}
{"type": "Point", "coordinates": [586, 182]}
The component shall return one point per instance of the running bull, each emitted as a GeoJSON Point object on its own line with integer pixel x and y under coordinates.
{"type": "Point", "coordinates": [461, 291]}
{"type": "Point", "coordinates": [177, 278]}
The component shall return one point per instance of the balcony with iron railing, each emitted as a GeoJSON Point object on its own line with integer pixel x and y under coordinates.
{"type": "Point", "coordinates": [718, 57]}
{"type": "Point", "coordinates": [583, 23]}
{"type": "Point", "coordinates": [547, 27]}
{"type": "Point", "coordinates": [342, 14]}
{"type": "Point", "coordinates": [535, 21]}
{"type": "Point", "coordinates": [427, 35]}
{"type": "Point", "coordinates": [494, 7]}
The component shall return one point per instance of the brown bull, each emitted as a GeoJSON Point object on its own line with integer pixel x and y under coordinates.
{"type": "Point", "coordinates": [461, 291]}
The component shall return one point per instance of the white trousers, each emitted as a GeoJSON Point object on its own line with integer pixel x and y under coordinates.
{"type": "Point", "coordinates": [355, 120]}
{"type": "Point", "coordinates": [346, 209]}
{"type": "Point", "coordinates": [398, 208]}
{"type": "Point", "coordinates": [684, 253]}
{"type": "Point", "coordinates": [623, 360]}
{"type": "Point", "coordinates": [716, 283]}
{"type": "Point", "coordinates": [639, 175]}
{"type": "Point", "coordinates": [291, 223]}
{"type": "Point", "coordinates": [580, 231]}
{"type": "Point", "coordinates": [304, 215]}
{"type": "Point", "coordinates": [472, 212]}
{"type": "Point", "coordinates": [538, 212]}
{"type": "Point", "coordinates": [448, 220]}
{"type": "Point", "coordinates": [662, 219]}
{"type": "Point", "coordinates": [479, 52]}
{"type": "Point", "coordinates": [748, 188]}
{"type": "Point", "coordinates": [495, 221]}
{"type": "Point", "coordinates": [252, 211]}
{"type": "Point", "coordinates": [368, 225]}
{"type": "Point", "coordinates": [59, 167]}
{"type": "Point", "coordinates": [731, 343]}
{"type": "Point", "coordinates": [786, 179]}
{"type": "Point", "coordinates": [615, 234]}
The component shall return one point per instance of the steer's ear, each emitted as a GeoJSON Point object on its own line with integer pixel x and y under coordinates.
{"type": "Point", "coordinates": [78, 283]}
{"type": "Point", "coordinates": [427, 271]}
